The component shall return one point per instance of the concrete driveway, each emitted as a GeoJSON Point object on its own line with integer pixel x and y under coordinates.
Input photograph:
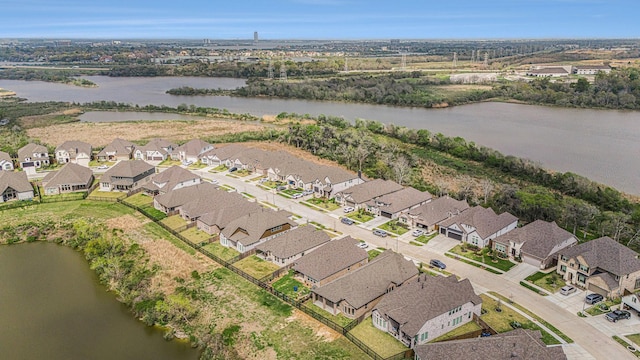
{"type": "Point", "coordinates": [572, 302]}
{"type": "Point", "coordinates": [441, 244]}
{"type": "Point", "coordinates": [520, 272]}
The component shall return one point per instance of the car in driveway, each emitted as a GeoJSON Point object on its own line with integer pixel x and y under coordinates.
{"type": "Point", "coordinates": [346, 220]}
{"type": "Point", "coordinates": [616, 315]}
{"type": "Point", "coordinates": [437, 263]}
{"type": "Point", "coordinates": [567, 289]}
{"type": "Point", "coordinates": [593, 298]}
{"type": "Point", "coordinates": [349, 209]}
{"type": "Point", "coordinates": [102, 167]}
{"type": "Point", "coordinates": [417, 232]}
{"type": "Point", "coordinates": [363, 245]}
{"type": "Point", "coordinates": [380, 233]}
{"type": "Point", "coordinates": [233, 169]}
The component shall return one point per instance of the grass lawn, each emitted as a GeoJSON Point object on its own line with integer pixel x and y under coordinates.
{"type": "Point", "coordinates": [218, 169]}
{"type": "Point", "coordinates": [256, 267]}
{"type": "Point", "coordinates": [170, 162]}
{"type": "Point", "coordinates": [324, 203]}
{"type": "Point", "coordinates": [197, 166]}
{"type": "Point", "coordinates": [635, 338]}
{"type": "Point", "coordinates": [220, 251]}
{"type": "Point", "coordinates": [379, 341]}
{"type": "Point", "coordinates": [139, 199]}
{"type": "Point", "coordinates": [464, 260]}
{"type": "Point", "coordinates": [394, 227]}
{"type": "Point", "coordinates": [338, 319]}
{"type": "Point", "coordinates": [621, 341]}
{"type": "Point", "coordinates": [425, 238]}
{"type": "Point", "coordinates": [247, 195]}
{"type": "Point", "coordinates": [107, 194]}
{"type": "Point", "coordinates": [484, 258]}
{"type": "Point", "coordinates": [551, 282]}
{"type": "Point", "coordinates": [154, 230]}
{"type": "Point", "coordinates": [286, 284]}
{"type": "Point", "coordinates": [373, 253]}
{"type": "Point", "coordinates": [156, 214]}
{"type": "Point", "coordinates": [227, 187]}
{"type": "Point", "coordinates": [360, 216]}
{"type": "Point", "coordinates": [597, 309]}
{"type": "Point", "coordinates": [461, 330]}
{"type": "Point", "coordinates": [62, 197]}
{"type": "Point", "coordinates": [196, 236]}
{"type": "Point", "coordinates": [93, 163]}
{"type": "Point", "coordinates": [257, 178]}
{"type": "Point", "coordinates": [174, 222]}
{"type": "Point", "coordinates": [272, 184]}
{"type": "Point", "coordinates": [63, 210]}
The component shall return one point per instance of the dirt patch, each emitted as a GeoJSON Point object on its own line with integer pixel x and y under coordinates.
{"type": "Point", "coordinates": [100, 134]}
{"type": "Point", "coordinates": [321, 330]}
{"type": "Point", "coordinates": [125, 222]}
{"type": "Point", "coordinates": [75, 111]}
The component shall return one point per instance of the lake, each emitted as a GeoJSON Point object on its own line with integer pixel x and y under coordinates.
{"type": "Point", "coordinates": [603, 145]}
{"type": "Point", "coordinates": [53, 307]}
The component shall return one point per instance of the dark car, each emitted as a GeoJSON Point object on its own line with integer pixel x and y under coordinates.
{"type": "Point", "coordinates": [437, 263]}
{"type": "Point", "coordinates": [616, 315]}
{"type": "Point", "coordinates": [347, 221]}
{"type": "Point", "coordinates": [593, 298]}
{"type": "Point", "coordinates": [233, 169]}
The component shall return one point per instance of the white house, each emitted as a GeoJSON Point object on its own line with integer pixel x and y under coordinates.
{"type": "Point", "coordinates": [32, 157]}
{"type": "Point", "coordinates": [478, 225]}
{"type": "Point", "coordinates": [5, 161]}
{"type": "Point", "coordinates": [76, 152]}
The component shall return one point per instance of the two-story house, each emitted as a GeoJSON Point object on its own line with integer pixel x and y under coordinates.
{"type": "Point", "coordinates": [126, 176]}
{"type": "Point", "coordinates": [117, 150]}
{"type": "Point", "coordinates": [5, 161]}
{"type": "Point", "coordinates": [33, 156]}
{"type": "Point", "coordinates": [477, 226]}
{"type": "Point", "coordinates": [290, 246]}
{"type": "Point", "coordinates": [173, 178]}
{"type": "Point", "coordinates": [155, 150]}
{"type": "Point", "coordinates": [250, 230]}
{"type": "Point", "coordinates": [74, 151]}
{"type": "Point", "coordinates": [191, 150]}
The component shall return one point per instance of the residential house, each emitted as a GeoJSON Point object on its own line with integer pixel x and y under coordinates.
{"type": "Point", "coordinates": [15, 186]}
{"type": "Point", "coordinates": [632, 301]}
{"type": "Point", "coordinates": [173, 178]}
{"type": "Point", "coordinates": [591, 69]}
{"type": "Point", "coordinates": [126, 176]}
{"type": "Point", "coordinates": [5, 161]}
{"type": "Point", "coordinates": [219, 155]}
{"type": "Point", "coordinates": [392, 204]}
{"type": "Point", "coordinates": [216, 219]}
{"type": "Point", "coordinates": [73, 151]}
{"type": "Point", "coordinates": [117, 150]}
{"type": "Point", "coordinates": [602, 265]}
{"type": "Point", "coordinates": [357, 195]}
{"type": "Point", "coordinates": [428, 216]}
{"type": "Point", "coordinates": [536, 243]}
{"type": "Point", "coordinates": [154, 150]}
{"type": "Point", "coordinates": [549, 72]}
{"type": "Point", "coordinates": [478, 225]}
{"type": "Point", "coordinates": [172, 201]}
{"type": "Point", "coordinates": [290, 246]}
{"type": "Point", "coordinates": [191, 151]}
{"type": "Point", "coordinates": [33, 156]}
{"type": "Point", "coordinates": [215, 200]}
{"type": "Point", "coordinates": [422, 310]}
{"type": "Point", "coordinates": [330, 261]}
{"type": "Point", "coordinates": [516, 344]}
{"type": "Point", "coordinates": [250, 230]}
{"type": "Point", "coordinates": [358, 292]}
{"type": "Point", "coordinates": [70, 178]}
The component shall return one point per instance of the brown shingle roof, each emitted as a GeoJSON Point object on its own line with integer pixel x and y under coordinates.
{"type": "Point", "coordinates": [128, 169]}
{"type": "Point", "coordinates": [606, 254]}
{"type": "Point", "coordinates": [539, 238]}
{"type": "Point", "coordinates": [172, 176]}
{"type": "Point", "coordinates": [30, 149]}
{"type": "Point", "coordinates": [484, 220]}
{"type": "Point", "coordinates": [214, 200]}
{"type": "Point", "coordinates": [331, 258]}
{"type": "Point", "coordinates": [69, 174]}
{"type": "Point", "coordinates": [175, 198]}
{"type": "Point", "coordinates": [516, 344]}
{"type": "Point", "coordinates": [366, 191]}
{"type": "Point", "coordinates": [248, 229]}
{"type": "Point", "coordinates": [371, 281]}
{"type": "Point", "coordinates": [73, 147]}
{"type": "Point", "coordinates": [400, 200]}
{"type": "Point", "coordinates": [118, 146]}
{"type": "Point", "coordinates": [294, 242]}
{"type": "Point", "coordinates": [5, 156]}
{"type": "Point", "coordinates": [225, 213]}
{"type": "Point", "coordinates": [413, 304]}
{"type": "Point", "coordinates": [194, 147]}
{"type": "Point", "coordinates": [438, 210]}
{"type": "Point", "coordinates": [16, 180]}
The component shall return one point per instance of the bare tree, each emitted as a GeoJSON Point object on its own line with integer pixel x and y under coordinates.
{"type": "Point", "coordinates": [487, 188]}
{"type": "Point", "coordinates": [361, 153]}
{"type": "Point", "coordinates": [401, 169]}
{"type": "Point", "coordinates": [443, 187]}
{"type": "Point", "coordinates": [466, 184]}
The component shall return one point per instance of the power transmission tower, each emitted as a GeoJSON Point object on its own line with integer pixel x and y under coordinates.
{"type": "Point", "coordinates": [403, 65]}
{"type": "Point", "coordinates": [283, 73]}
{"type": "Point", "coordinates": [270, 70]}
{"type": "Point", "coordinates": [455, 59]}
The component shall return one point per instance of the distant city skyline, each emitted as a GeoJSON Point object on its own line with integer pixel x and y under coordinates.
{"type": "Point", "coordinates": [319, 19]}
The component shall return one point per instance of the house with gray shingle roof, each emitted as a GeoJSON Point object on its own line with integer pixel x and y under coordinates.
{"type": "Point", "coordinates": [214, 200]}
{"type": "Point", "coordinates": [5, 161]}
{"type": "Point", "coordinates": [250, 230]}
{"type": "Point", "coordinates": [536, 243]}
{"type": "Point", "coordinates": [477, 226]}
{"type": "Point", "coordinates": [392, 204]}
{"type": "Point", "coordinates": [601, 265]}
{"type": "Point", "coordinates": [70, 178]}
{"type": "Point", "coordinates": [357, 195]}
{"type": "Point", "coordinates": [358, 292]}
{"type": "Point", "coordinates": [33, 156]}
{"type": "Point", "coordinates": [218, 216]}
{"type": "Point", "coordinates": [290, 246]}
{"type": "Point", "coordinates": [191, 151]}
{"type": "Point", "coordinates": [428, 216]}
{"type": "Point", "coordinates": [516, 344]}
{"type": "Point", "coordinates": [172, 201]}
{"type": "Point", "coordinates": [77, 152]}
{"type": "Point", "coordinates": [422, 310]}
{"type": "Point", "coordinates": [15, 186]}
{"type": "Point", "coordinates": [330, 261]}
{"type": "Point", "coordinates": [173, 178]}
{"type": "Point", "coordinates": [154, 150]}
{"type": "Point", "coordinates": [117, 150]}
{"type": "Point", "coordinates": [126, 176]}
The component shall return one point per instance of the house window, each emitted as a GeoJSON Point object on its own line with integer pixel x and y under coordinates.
{"type": "Point", "coordinates": [583, 268]}
{"type": "Point", "coordinates": [563, 268]}
{"type": "Point", "coordinates": [424, 336]}
{"type": "Point", "coordinates": [582, 278]}
{"type": "Point", "coordinates": [563, 258]}
{"type": "Point", "coordinates": [637, 283]}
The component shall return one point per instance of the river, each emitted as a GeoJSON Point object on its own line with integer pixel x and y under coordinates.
{"type": "Point", "coordinates": [53, 307]}
{"type": "Point", "coordinates": [603, 145]}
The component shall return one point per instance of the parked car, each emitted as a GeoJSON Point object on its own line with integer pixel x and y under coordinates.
{"type": "Point", "coordinates": [233, 169]}
{"type": "Point", "coordinates": [214, 181]}
{"type": "Point", "coordinates": [187, 163]}
{"type": "Point", "coordinates": [363, 245]}
{"type": "Point", "coordinates": [346, 220]}
{"type": "Point", "coordinates": [568, 289]}
{"type": "Point", "coordinates": [101, 167]}
{"type": "Point", "coordinates": [417, 232]}
{"type": "Point", "coordinates": [593, 298]}
{"type": "Point", "coordinates": [616, 315]}
{"type": "Point", "coordinates": [348, 209]}
{"type": "Point", "coordinates": [437, 263]}
{"type": "Point", "coordinates": [379, 232]}
{"type": "Point", "coordinates": [280, 188]}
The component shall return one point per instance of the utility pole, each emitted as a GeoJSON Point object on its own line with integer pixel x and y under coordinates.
{"type": "Point", "coordinates": [346, 64]}
{"type": "Point", "coordinates": [403, 65]}
{"type": "Point", "coordinates": [455, 59]}
{"type": "Point", "coordinates": [270, 70]}
{"type": "Point", "coordinates": [283, 73]}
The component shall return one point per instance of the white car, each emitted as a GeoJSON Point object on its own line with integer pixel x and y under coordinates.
{"type": "Point", "coordinates": [101, 167]}
{"type": "Point", "coordinates": [349, 209]}
{"type": "Point", "coordinates": [363, 245]}
{"type": "Point", "coordinates": [417, 232]}
{"type": "Point", "coordinates": [214, 181]}
{"type": "Point", "coordinates": [568, 289]}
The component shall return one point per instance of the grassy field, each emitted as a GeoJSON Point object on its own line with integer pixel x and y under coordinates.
{"type": "Point", "coordinates": [379, 341]}
{"type": "Point", "coordinates": [338, 319]}
{"type": "Point", "coordinates": [328, 205]}
{"type": "Point", "coordinates": [139, 199]}
{"type": "Point", "coordinates": [154, 230]}
{"type": "Point", "coordinates": [360, 216]}
{"type": "Point", "coordinates": [256, 267]}
{"type": "Point", "coordinates": [196, 236]}
{"type": "Point", "coordinates": [220, 251]}
{"type": "Point", "coordinates": [286, 285]}
{"type": "Point", "coordinates": [174, 222]}
{"type": "Point", "coordinates": [99, 210]}
{"type": "Point", "coordinates": [107, 195]}
{"type": "Point", "coordinates": [392, 226]}
{"type": "Point", "coordinates": [461, 330]}
{"type": "Point", "coordinates": [484, 258]}
{"type": "Point", "coordinates": [551, 282]}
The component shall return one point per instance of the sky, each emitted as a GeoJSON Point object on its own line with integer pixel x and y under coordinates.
{"type": "Point", "coordinates": [319, 19]}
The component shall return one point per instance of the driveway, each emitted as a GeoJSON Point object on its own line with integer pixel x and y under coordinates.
{"type": "Point", "coordinates": [520, 272]}
{"type": "Point", "coordinates": [572, 302]}
{"type": "Point", "coordinates": [441, 244]}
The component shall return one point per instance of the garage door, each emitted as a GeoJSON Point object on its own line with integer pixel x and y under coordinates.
{"type": "Point", "coordinates": [454, 235]}
{"type": "Point", "coordinates": [599, 290]}
{"type": "Point", "coordinates": [531, 260]}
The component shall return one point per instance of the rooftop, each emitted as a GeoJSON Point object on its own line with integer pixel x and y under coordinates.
{"type": "Point", "coordinates": [331, 258]}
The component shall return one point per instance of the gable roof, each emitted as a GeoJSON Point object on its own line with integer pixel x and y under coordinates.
{"type": "Point", "coordinates": [484, 220]}
{"type": "Point", "coordinates": [400, 200]}
{"type": "Point", "coordinates": [214, 200]}
{"type": "Point", "coordinates": [225, 152]}
{"type": "Point", "coordinates": [69, 174]}
{"type": "Point", "coordinates": [371, 281]}
{"type": "Point", "coordinates": [606, 254]}
{"type": "Point", "coordinates": [539, 238]}
{"type": "Point", "coordinates": [118, 146]}
{"type": "Point", "coordinates": [248, 229]}
{"type": "Point", "coordinates": [30, 149]}
{"type": "Point", "coordinates": [331, 258]}
{"type": "Point", "coordinates": [193, 147]}
{"type": "Point", "coordinates": [294, 242]}
{"type": "Point", "coordinates": [127, 169]}
{"type": "Point", "coordinates": [415, 303]}
{"type": "Point", "coordinates": [516, 344]}
{"type": "Point", "coordinates": [223, 214]}
{"type": "Point", "coordinates": [175, 198]}
{"type": "Point", "coordinates": [74, 147]}
{"type": "Point", "coordinates": [438, 210]}
{"type": "Point", "coordinates": [16, 180]}
{"type": "Point", "coordinates": [5, 156]}
{"type": "Point", "coordinates": [172, 176]}
{"type": "Point", "coordinates": [368, 190]}
{"type": "Point", "coordinates": [159, 145]}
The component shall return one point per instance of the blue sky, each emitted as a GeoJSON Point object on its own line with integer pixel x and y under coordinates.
{"type": "Point", "coordinates": [320, 19]}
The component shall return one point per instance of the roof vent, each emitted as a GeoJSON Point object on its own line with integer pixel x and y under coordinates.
{"type": "Point", "coordinates": [514, 355]}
